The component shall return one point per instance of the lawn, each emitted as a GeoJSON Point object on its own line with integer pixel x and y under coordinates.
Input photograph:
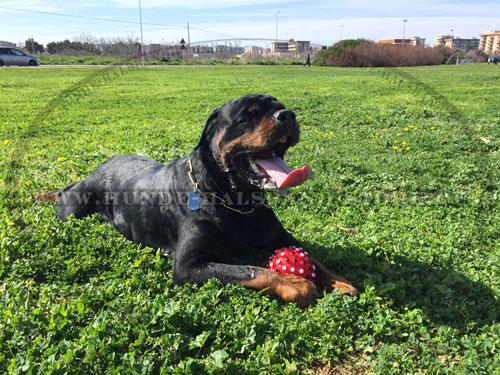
{"type": "Point", "coordinates": [406, 158]}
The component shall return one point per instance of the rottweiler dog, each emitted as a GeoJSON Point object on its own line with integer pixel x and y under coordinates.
{"type": "Point", "coordinates": [209, 206]}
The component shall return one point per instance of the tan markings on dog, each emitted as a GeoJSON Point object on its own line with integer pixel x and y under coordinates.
{"type": "Point", "coordinates": [252, 108]}
{"type": "Point", "coordinates": [219, 138]}
{"type": "Point", "coordinates": [329, 281]}
{"type": "Point", "coordinates": [259, 138]}
{"type": "Point", "coordinates": [289, 288]}
{"type": "Point", "coordinates": [54, 196]}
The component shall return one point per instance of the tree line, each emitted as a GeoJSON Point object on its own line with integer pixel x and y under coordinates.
{"type": "Point", "coordinates": [87, 46]}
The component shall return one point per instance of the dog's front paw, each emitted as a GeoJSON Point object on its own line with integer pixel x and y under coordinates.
{"type": "Point", "coordinates": [296, 289]}
{"type": "Point", "coordinates": [345, 288]}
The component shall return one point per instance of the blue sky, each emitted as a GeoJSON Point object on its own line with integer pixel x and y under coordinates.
{"type": "Point", "coordinates": [319, 21]}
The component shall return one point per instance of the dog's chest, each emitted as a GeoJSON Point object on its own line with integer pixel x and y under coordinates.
{"type": "Point", "coordinates": [252, 232]}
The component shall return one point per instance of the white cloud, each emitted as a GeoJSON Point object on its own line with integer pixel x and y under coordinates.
{"type": "Point", "coordinates": [192, 4]}
{"type": "Point", "coordinates": [321, 31]}
{"type": "Point", "coordinates": [329, 29]}
{"type": "Point", "coordinates": [319, 21]}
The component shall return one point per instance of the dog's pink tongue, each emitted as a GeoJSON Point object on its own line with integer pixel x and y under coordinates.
{"type": "Point", "coordinates": [282, 174]}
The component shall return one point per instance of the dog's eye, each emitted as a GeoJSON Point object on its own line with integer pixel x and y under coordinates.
{"type": "Point", "coordinates": [252, 109]}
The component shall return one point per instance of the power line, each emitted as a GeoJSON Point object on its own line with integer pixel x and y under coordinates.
{"type": "Point", "coordinates": [91, 18]}
{"type": "Point", "coordinates": [115, 20]}
{"type": "Point", "coordinates": [212, 32]}
{"type": "Point", "coordinates": [60, 20]}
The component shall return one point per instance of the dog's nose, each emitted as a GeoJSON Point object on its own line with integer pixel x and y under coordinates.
{"type": "Point", "coordinates": [285, 115]}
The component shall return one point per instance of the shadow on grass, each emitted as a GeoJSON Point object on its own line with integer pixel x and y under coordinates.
{"type": "Point", "coordinates": [445, 296]}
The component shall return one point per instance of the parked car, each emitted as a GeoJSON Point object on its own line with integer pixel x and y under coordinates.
{"type": "Point", "coordinates": [13, 56]}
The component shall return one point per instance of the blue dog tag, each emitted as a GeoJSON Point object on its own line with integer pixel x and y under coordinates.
{"type": "Point", "coordinates": [194, 201]}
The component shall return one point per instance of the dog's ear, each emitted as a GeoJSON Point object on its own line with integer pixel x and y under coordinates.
{"type": "Point", "coordinates": [208, 130]}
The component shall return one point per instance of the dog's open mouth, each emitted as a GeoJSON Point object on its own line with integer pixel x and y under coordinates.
{"type": "Point", "coordinates": [267, 169]}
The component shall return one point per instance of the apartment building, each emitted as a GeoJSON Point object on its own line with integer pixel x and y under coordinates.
{"type": "Point", "coordinates": [441, 40]}
{"type": "Point", "coordinates": [450, 41]}
{"type": "Point", "coordinates": [489, 42]}
{"type": "Point", "coordinates": [414, 41]}
{"type": "Point", "coordinates": [279, 47]}
{"type": "Point", "coordinates": [298, 46]}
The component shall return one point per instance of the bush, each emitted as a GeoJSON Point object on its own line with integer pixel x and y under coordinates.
{"type": "Point", "coordinates": [363, 53]}
{"type": "Point", "coordinates": [477, 56]}
{"type": "Point", "coordinates": [447, 52]}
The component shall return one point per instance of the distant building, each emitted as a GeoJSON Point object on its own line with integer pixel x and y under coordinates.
{"type": "Point", "coordinates": [202, 50]}
{"type": "Point", "coordinates": [4, 43]}
{"type": "Point", "coordinates": [253, 50]}
{"type": "Point", "coordinates": [279, 47]}
{"type": "Point", "coordinates": [414, 41]}
{"type": "Point", "coordinates": [298, 46]}
{"type": "Point", "coordinates": [417, 41]}
{"type": "Point", "coordinates": [490, 42]}
{"type": "Point", "coordinates": [395, 41]}
{"type": "Point", "coordinates": [441, 40]}
{"type": "Point", "coordinates": [450, 41]}
{"type": "Point", "coordinates": [467, 45]}
{"type": "Point", "coordinates": [228, 49]}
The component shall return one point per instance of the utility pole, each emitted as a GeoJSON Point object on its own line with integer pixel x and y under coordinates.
{"type": "Point", "coordinates": [276, 45]}
{"type": "Point", "coordinates": [142, 39]}
{"type": "Point", "coordinates": [189, 43]}
{"type": "Point", "coordinates": [404, 29]}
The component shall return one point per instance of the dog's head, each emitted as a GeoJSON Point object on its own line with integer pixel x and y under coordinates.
{"type": "Point", "coordinates": [248, 138]}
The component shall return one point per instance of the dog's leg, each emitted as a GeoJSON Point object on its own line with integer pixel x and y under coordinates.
{"type": "Point", "coordinates": [75, 199]}
{"type": "Point", "coordinates": [289, 288]}
{"type": "Point", "coordinates": [329, 281]}
{"type": "Point", "coordinates": [193, 262]}
{"type": "Point", "coordinates": [78, 200]}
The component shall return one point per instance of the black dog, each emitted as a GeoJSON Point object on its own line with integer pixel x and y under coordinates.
{"type": "Point", "coordinates": [209, 206]}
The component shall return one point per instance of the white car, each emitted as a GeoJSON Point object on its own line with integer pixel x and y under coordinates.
{"type": "Point", "coordinates": [13, 56]}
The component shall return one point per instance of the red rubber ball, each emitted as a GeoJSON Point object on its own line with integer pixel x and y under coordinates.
{"type": "Point", "coordinates": [292, 260]}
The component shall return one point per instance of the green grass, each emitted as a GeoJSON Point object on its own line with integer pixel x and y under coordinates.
{"type": "Point", "coordinates": [77, 297]}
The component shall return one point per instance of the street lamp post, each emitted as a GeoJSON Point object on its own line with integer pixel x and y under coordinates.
{"type": "Point", "coordinates": [404, 29]}
{"type": "Point", "coordinates": [276, 45]}
{"type": "Point", "coordinates": [142, 39]}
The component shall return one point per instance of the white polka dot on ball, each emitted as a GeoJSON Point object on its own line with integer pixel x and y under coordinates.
{"type": "Point", "coordinates": [301, 270]}
{"type": "Point", "coordinates": [283, 268]}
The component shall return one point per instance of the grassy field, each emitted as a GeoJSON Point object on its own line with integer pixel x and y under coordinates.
{"type": "Point", "coordinates": [407, 158]}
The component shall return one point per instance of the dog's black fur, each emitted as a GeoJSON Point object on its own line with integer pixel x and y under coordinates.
{"type": "Point", "coordinates": [147, 202]}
